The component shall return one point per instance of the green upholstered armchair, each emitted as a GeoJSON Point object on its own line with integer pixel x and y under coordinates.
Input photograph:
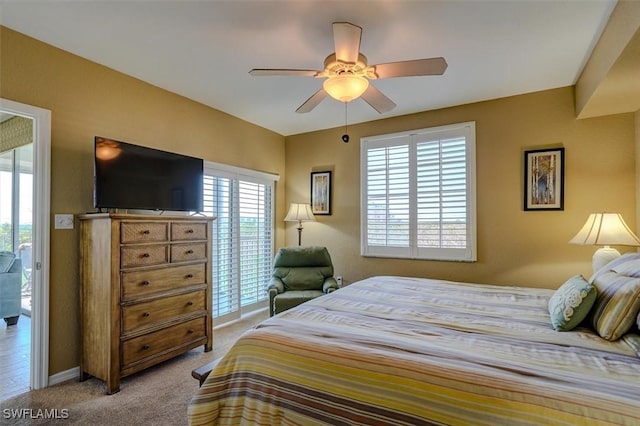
{"type": "Point", "coordinates": [299, 274]}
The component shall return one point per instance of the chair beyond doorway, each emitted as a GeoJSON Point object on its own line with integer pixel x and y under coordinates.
{"type": "Point", "coordinates": [10, 282]}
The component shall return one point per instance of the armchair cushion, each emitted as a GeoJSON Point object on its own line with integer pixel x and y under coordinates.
{"type": "Point", "coordinates": [295, 257]}
{"type": "Point", "coordinates": [6, 260]}
{"type": "Point", "coordinates": [300, 278]}
{"type": "Point", "coordinates": [289, 299]}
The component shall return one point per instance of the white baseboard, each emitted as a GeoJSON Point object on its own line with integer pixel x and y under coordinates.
{"type": "Point", "coordinates": [63, 376]}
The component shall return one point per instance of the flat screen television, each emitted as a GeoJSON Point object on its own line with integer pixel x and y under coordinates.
{"type": "Point", "coordinates": [128, 176]}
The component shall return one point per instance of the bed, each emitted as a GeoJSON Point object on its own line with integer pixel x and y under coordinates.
{"type": "Point", "coordinates": [411, 351]}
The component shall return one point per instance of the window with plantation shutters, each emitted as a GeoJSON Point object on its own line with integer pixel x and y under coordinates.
{"type": "Point", "coordinates": [418, 194]}
{"type": "Point", "coordinates": [242, 202]}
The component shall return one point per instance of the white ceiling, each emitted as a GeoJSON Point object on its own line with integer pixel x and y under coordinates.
{"type": "Point", "coordinates": [204, 49]}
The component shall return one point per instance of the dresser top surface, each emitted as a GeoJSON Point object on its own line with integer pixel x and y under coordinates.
{"type": "Point", "coordinates": [146, 217]}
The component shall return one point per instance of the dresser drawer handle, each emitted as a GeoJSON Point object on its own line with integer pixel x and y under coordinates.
{"type": "Point", "coordinates": [146, 347]}
{"type": "Point", "coordinates": [189, 331]}
{"type": "Point", "coordinates": [189, 276]}
{"type": "Point", "coordinates": [189, 303]}
{"type": "Point", "coordinates": [189, 252]}
{"type": "Point", "coordinates": [146, 314]}
{"type": "Point", "coordinates": [146, 232]}
{"type": "Point", "coordinates": [144, 255]}
{"type": "Point", "coordinates": [189, 231]}
{"type": "Point", "coordinates": [145, 282]}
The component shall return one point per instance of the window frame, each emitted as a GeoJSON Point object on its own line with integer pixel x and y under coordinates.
{"type": "Point", "coordinates": [411, 139]}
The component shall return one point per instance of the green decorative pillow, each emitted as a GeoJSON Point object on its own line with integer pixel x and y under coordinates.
{"type": "Point", "coordinates": [571, 303]}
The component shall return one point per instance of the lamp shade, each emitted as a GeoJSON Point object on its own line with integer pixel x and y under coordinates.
{"type": "Point", "coordinates": [345, 87]}
{"type": "Point", "coordinates": [299, 212]}
{"type": "Point", "coordinates": [603, 229]}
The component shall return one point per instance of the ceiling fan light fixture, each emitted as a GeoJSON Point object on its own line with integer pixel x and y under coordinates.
{"type": "Point", "coordinates": [345, 87]}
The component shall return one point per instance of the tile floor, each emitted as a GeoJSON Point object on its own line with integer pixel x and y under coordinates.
{"type": "Point", "coordinates": [15, 345]}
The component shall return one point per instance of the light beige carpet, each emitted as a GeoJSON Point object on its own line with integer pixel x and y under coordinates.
{"type": "Point", "coordinates": [156, 396]}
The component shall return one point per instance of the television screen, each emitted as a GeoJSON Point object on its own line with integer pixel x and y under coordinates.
{"type": "Point", "coordinates": [129, 176]}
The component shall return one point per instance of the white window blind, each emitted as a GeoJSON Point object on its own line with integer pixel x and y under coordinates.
{"type": "Point", "coordinates": [418, 194]}
{"type": "Point", "coordinates": [242, 250]}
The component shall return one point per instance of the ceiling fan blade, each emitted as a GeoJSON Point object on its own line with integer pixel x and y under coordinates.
{"type": "Point", "coordinates": [312, 102]}
{"type": "Point", "coordinates": [346, 38]}
{"type": "Point", "coordinates": [377, 100]}
{"type": "Point", "coordinates": [431, 66]}
{"type": "Point", "coordinates": [267, 72]}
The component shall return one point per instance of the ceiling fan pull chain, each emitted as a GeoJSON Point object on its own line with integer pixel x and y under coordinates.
{"type": "Point", "coordinates": [345, 137]}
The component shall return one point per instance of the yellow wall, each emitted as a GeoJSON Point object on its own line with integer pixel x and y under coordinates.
{"type": "Point", "coordinates": [87, 99]}
{"type": "Point", "coordinates": [514, 246]}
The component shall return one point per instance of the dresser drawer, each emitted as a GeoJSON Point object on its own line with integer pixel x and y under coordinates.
{"type": "Point", "coordinates": [162, 341]}
{"type": "Point", "coordinates": [143, 232]}
{"type": "Point", "coordinates": [185, 231]}
{"type": "Point", "coordinates": [156, 311]}
{"type": "Point", "coordinates": [141, 283]}
{"type": "Point", "coordinates": [187, 252]}
{"type": "Point", "coordinates": [147, 255]}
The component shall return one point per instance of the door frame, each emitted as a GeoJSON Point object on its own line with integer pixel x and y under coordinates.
{"type": "Point", "coordinates": [39, 362]}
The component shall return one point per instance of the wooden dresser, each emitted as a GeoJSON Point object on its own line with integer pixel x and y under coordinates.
{"type": "Point", "coordinates": [145, 291]}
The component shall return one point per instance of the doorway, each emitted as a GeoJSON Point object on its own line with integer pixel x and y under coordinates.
{"type": "Point", "coordinates": [16, 199]}
{"type": "Point", "coordinates": [35, 162]}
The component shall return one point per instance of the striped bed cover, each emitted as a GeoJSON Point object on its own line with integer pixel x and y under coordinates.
{"type": "Point", "coordinates": [411, 351]}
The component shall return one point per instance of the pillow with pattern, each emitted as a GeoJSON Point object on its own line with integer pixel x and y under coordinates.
{"type": "Point", "coordinates": [618, 303]}
{"type": "Point", "coordinates": [571, 303]}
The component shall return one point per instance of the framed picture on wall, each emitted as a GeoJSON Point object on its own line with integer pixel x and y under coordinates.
{"type": "Point", "coordinates": [544, 179]}
{"type": "Point", "coordinates": [321, 193]}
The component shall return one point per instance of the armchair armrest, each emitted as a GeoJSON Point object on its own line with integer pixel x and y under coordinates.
{"type": "Point", "coordinates": [275, 287]}
{"type": "Point", "coordinates": [330, 284]}
{"type": "Point", "coordinates": [276, 284]}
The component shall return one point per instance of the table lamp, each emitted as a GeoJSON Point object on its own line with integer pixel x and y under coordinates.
{"type": "Point", "coordinates": [604, 229]}
{"type": "Point", "coordinates": [300, 213]}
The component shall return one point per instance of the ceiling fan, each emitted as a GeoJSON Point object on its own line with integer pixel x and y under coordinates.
{"type": "Point", "coordinates": [347, 72]}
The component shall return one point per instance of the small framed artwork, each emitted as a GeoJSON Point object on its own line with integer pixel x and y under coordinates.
{"type": "Point", "coordinates": [544, 179]}
{"type": "Point", "coordinates": [321, 193]}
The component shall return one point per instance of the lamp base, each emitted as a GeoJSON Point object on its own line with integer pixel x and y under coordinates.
{"type": "Point", "coordinates": [604, 255]}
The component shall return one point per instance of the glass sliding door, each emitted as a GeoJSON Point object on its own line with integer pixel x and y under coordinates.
{"type": "Point", "coordinates": [242, 202]}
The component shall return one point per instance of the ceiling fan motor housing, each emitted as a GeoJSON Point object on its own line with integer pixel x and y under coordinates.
{"type": "Point", "coordinates": [333, 67]}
